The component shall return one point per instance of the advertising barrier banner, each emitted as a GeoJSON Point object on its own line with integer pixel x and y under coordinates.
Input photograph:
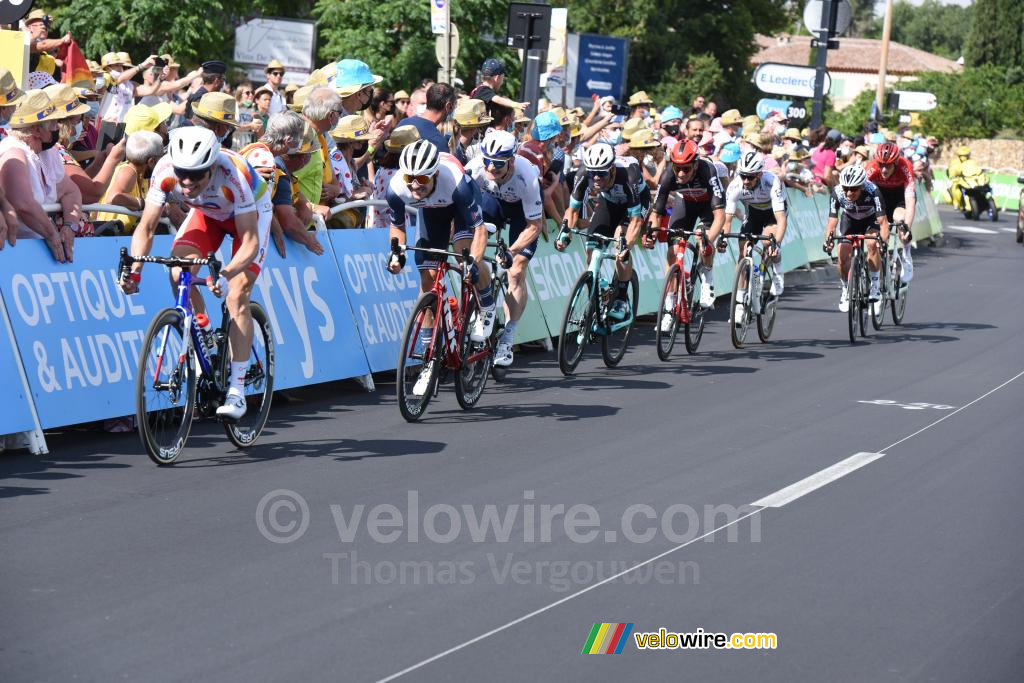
{"type": "Point", "coordinates": [15, 415]}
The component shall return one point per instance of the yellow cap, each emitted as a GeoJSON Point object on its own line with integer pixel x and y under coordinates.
{"type": "Point", "coordinates": [142, 117]}
{"type": "Point", "coordinates": [9, 90]}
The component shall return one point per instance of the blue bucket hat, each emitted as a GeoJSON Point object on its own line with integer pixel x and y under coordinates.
{"type": "Point", "coordinates": [546, 126]}
{"type": "Point", "coordinates": [730, 153]}
{"type": "Point", "coordinates": [671, 112]}
{"type": "Point", "coordinates": [876, 138]}
{"type": "Point", "coordinates": [352, 76]}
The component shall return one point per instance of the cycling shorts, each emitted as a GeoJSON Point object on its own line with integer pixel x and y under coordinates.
{"type": "Point", "coordinates": [205, 234]}
{"type": "Point", "coordinates": [436, 233]}
{"type": "Point", "coordinates": [686, 214]}
{"type": "Point", "coordinates": [855, 226]}
{"type": "Point", "coordinates": [892, 199]}
{"type": "Point", "coordinates": [756, 221]}
{"type": "Point", "coordinates": [509, 214]}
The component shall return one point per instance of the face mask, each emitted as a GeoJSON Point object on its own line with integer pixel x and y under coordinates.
{"type": "Point", "coordinates": [79, 131]}
{"type": "Point", "coordinates": [115, 72]}
{"type": "Point", "coordinates": [646, 114]}
{"type": "Point", "coordinates": [54, 137]}
{"type": "Point", "coordinates": [94, 110]}
{"type": "Point", "coordinates": [99, 82]}
{"type": "Point", "coordinates": [671, 130]}
{"type": "Point", "coordinates": [420, 108]}
{"type": "Point", "coordinates": [615, 138]}
{"type": "Point", "coordinates": [780, 130]}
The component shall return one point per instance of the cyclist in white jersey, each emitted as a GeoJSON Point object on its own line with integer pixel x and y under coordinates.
{"type": "Point", "coordinates": [763, 196]}
{"type": "Point", "coordinates": [226, 197]}
{"type": "Point", "coordinates": [510, 194]}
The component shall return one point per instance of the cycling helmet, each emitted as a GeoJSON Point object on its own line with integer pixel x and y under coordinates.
{"type": "Point", "coordinates": [852, 175]}
{"type": "Point", "coordinates": [599, 157]}
{"type": "Point", "coordinates": [193, 148]}
{"type": "Point", "coordinates": [499, 144]}
{"type": "Point", "coordinates": [887, 153]}
{"type": "Point", "coordinates": [750, 162]}
{"type": "Point", "coordinates": [419, 158]}
{"type": "Point", "coordinates": [684, 152]}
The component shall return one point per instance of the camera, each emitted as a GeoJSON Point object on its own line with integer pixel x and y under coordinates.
{"type": "Point", "coordinates": [620, 110]}
{"type": "Point", "coordinates": [160, 62]}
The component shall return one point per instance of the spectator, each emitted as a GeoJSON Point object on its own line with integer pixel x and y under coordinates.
{"type": "Point", "coordinates": [671, 121]}
{"type": "Point", "coordinates": [289, 93]}
{"type": "Point", "coordinates": [120, 89]}
{"type": "Point", "coordinates": [698, 105]}
{"type": "Point", "coordinates": [640, 105]}
{"type": "Point", "coordinates": [539, 150]}
{"type": "Point", "coordinates": [401, 104]}
{"type": "Point", "coordinates": [492, 77]}
{"type": "Point", "coordinates": [71, 128]}
{"type": "Point", "coordinates": [10, 94]}
{"type": "Point", "coordinates": [711, 110]}
{"type": "Point", "coordinates": [387, 167]}
{"type": "Point", "coordinates": [31, 179]}
{"type": "Point", "coordinates": [440, 105]}
{"type": "Point", "coordinates": [218, 112]}
{"type": "Point", "coordinates": [351, 136]}
{"type": "Point", "coordinates": [824, 156]}
{"type": "Point", "coordinates": [213, 82]}
{"type": "Point", "coordinates": [249, 126]}
{"type": "Point", "coordinates": [728, 155]}
{"type": "Point", "coordinates": [694, 129]}
{"type": "Point", "coordinates": [297, 158]}
{"type": "Point", "coordinates": [316, 180]}
{"type": "Point", "coordinates": [130, 182]}
{"type": "Point", "coordinates": [522, 123]}
{"type": "Point", "coordinates": [354, 83]}
{"type": "Point", "coordinates": [861, 153]}
{"type": "Point", "coordinates": [730, 122]}
{"type": "Point", "coordinates": [382, 106]}
{"type": "Point", "coordinates": [154, 119]}
{"type": "Point", "coordinates": [275, 74]}
{"type": "Point", "coordinates": [417, 103]}
{"type": "Point", "coordinates": [262, 97]}
{"type": "Point", "coordinates": [649, 152]}
{"type": "Point", "coordinates": [37, 26]}
{"type": "Point", "coordinates": [471, 122]}
{"type": "Point", "coordinates": [796, 174]}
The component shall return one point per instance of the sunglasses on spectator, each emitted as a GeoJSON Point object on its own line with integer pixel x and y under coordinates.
{"type": "Point", "coordinates": [194, 176]}
{"type": "Point", "coordinates": [247, 92]}
{"type": "Point", "coordinates": [682, 168]}
{"type": "Point", "coordinates": [421, 179]}
{"type": "Point", "coordinates": [496, 164]}
{"type": "Point", "coordinates": [276, 73]}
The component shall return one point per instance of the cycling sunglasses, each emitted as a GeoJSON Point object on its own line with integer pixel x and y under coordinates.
{"type": "Point", "coordinates": [599, 174]}
{"type": "Point", "coordinates": [496, 164]}
{"type": "Point", "coordinates": [194, 176]}
{"type": "Point", "coordinates": [421, 179]}
{"type": "Point", "coordinates": [683, 168]}
{"type": "Point", "coordinates": [749, 176]}
{"type": "Point", "coordinates": [851, 190]}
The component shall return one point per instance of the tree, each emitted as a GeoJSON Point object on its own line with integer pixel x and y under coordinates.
{"type": "Point", "coordinates": [931, 26]}
{"type": "Point", "coordinates": [702, 76]}
{"type": "Point", "coordinates": [997, 34]}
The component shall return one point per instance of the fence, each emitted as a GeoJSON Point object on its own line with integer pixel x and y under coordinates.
{"type": "Point", "coordinates": [71, 338]}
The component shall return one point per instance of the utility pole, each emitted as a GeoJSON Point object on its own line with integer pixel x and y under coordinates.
{"type": "Point", "coordinates": [883, 67]}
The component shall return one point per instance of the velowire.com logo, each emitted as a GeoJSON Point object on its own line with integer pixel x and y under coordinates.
{"type": "Point", "coordinates": [607, 639]}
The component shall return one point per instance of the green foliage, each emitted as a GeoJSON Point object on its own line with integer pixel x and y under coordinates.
{"type": "Point", "coordinates": [702, 76]}
{"type": "Point", "coordinates": [997, 34]}
{"type": "Point", "coordinates": [977, 103]}
{"type": "Point", "coordinates": [852, 118]}
{"type": "Point", "coordinates": [393, 37]}
{"type": "Point", "coordinates": [931, 26]}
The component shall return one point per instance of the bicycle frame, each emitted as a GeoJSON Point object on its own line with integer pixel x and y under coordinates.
{"type": "Point", "coordinates": [680, 248]}
{"type": "Point", "coordinates": [599, 253]}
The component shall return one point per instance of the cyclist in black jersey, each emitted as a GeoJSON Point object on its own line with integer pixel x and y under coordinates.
{"type": "Point", "coordinates": [696, 183]}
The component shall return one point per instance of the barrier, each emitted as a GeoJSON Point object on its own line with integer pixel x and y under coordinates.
{"type": "Point", "coordinates": [71, 340]}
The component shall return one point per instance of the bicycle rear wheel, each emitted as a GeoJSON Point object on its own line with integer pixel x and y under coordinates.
{"type": "Point", "coordinates": [499, 372]}
{"type": "Point", "coordinates": [613, 344]}
{"type": "Point", "coordinates": [901, 289]}
{"type": "Point", "coordinates": [769, 305]}
{"type": "Point", "coordinates": [411, 359]}
{"type": "Point", "coordinates": [878, 309]}
{"type": "Point", "coordinates": [259, 379]}
{"type": "Point", "coordinates": [864, 296]}
{"type": "Point", "coordinates": [738, 327]}
{"type": "Point", "coordinates": [666, 339]}
{"type": "Point", "coordinates": [471, 377]}
{"type": "Point", "coordinates": [579, 315]}
{"type": "Point", "coordinates": [693, 331]}
{"type": "Point", "coordinates": [165, 388]}
{"type": "Point", "coordinates": [853, 292]}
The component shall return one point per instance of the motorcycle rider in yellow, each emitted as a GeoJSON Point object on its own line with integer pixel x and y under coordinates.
{"type": "Point", "coordinates": [955, 171]}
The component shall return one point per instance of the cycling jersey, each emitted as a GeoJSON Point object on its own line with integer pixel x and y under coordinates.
{"type": "Point", "coordinates": [703, 188]}
{"type": "Point", "coordinates": [627, 197]}
{"type": "Point", "coordinates": [858, 215]}
{"type": "Point", "coordinates": [233, 189]}
{"type": "Point", "coordinates": [455, 198]}
{"type": "Point", "coordinates": [898, 188]}
{"type": "Point", "coordinates": [514, 202]}
{"type": "Point", "coordinates": [767, 195]}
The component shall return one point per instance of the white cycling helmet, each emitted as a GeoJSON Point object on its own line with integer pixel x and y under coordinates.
{"type": "Point", "coordinates": [193, 148]}
{"type": "Point", "coordinates": [419, 158]}
{"type": "Point", "coordinates": [852, 175]}
{"type": "Point", "coordinates": [750, 162]}
{"type": "Point", "coordinates": [499, 144]}
{"type": "Point", "coordinates": [599, 157]}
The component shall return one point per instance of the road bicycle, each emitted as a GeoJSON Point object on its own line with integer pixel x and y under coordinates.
{"type": "Point", "coordinates": [449, 349]}
{"type": "Point", "coordinates": [184, 370]}
{"type": "Point", "coordinates": [858, 284]}
{"type": "Point", "coordinates": [754, 274]}
{"type": "Point", "coordinates": [682, 284]}
{"type": "Point", "coordinates": [894, 291]}
{"type": "Point", "coordinates": [500, 263]}
{"type": "Point", "coordinates": [587, 311]}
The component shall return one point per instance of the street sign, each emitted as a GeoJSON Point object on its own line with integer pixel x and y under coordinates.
{"type": "Point", "coordinates": [13, 10]}
{"type": "Point", "coordinates": [766, 106]}
{"type": "Point", "coordinates": [438, 16]}
{"type": "Point", "coordinates": [816, 20]}
{"type": "Point", "coordinates": [529, 26]}
{"type": "Point", "coordinates": [786, 79]}
{"type": "Point", "coordinates": [439, 46]}
{"type": "Point", "coordinates": [601, 66]}
{"type": "Point", "coordinates": [797, 112]}
{"type": "Point", "coordinates": [290, 41]}
{"type": "Point", "coordinates": [911, 100]}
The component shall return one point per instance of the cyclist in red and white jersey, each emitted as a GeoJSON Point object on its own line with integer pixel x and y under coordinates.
{"type": "Point", "coordinates": [226, 197]}
{"type": "Point", "coordinates": [893, 175]}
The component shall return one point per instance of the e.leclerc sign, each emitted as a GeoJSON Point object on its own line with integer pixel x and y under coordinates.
{"type": "Point", "coordinates": [786, 79]}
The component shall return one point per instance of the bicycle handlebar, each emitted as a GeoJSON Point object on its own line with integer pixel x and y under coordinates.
{"type": "Point", "coordinates": [126, 260]}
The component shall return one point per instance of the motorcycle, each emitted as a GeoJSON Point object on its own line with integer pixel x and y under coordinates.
{"type": "Point", "coordinates": [1020, 212]}
{"type": "Point", "coordinates": [972, 188]}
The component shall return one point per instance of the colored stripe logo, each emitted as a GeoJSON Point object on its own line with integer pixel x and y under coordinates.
{"type": "Point", "coordinates": [607, 639]}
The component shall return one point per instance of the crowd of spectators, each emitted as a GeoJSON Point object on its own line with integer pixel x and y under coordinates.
{"type": "Point", "coordinates": [67, 144]}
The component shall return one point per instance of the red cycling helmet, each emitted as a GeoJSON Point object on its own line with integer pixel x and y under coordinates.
{"type": "Point", "coordinates": [887, 153]}
{"type": "Point", "coordinates": [684, 152]}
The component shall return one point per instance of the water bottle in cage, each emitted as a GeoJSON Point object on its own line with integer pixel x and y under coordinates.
{"type": "Point", "coordinates": [207, 335]}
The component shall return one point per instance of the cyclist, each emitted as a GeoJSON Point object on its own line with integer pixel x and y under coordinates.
{"type": "Point", "coordinates": [762, 195]}
{"type": "Point", "coordinates": [437, 184]}
{"type": "Point", "coordinates": [700, 196]}
{"type": "Point", "coordinates": [226, 197]}
{"type": "Point", "coordinates": [510, 194]}
{"type": "Point", "coordinates": [893, 175]}
{"type": "Point", "coordinates": [862, 211]}
{"type": "Point", "coordinates": [620, 193]}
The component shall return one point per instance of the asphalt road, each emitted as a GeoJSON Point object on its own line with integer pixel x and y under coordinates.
{"type": "Point", "coordinates": [906, 568]}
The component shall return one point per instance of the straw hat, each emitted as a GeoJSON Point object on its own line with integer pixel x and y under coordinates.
{"type": "Point", "coordinates": [400, 137]}
{"type": "Point", "coordinates": [65, 101]}
{"type": "Point", "coordinates": [171, 64]}
{"type": "Point", "coordinates": [792, 134]}
{"type": "Point", "coordinates": [34, 107]}
{"type": "Point", "coordinates": [644, 139]}
{"type": "Point", "coordinates": [471, 114]}
{"type": "Point", "coordinates": [732, 118]}
{"type": "Point", "coordinates": [401, 95]}
{"type": "Point", "coordinates": [799, 154]}
{"type": "Point", "coordinates": [291, 87]}
{"type": "Point", "coordinates": [86, 94]}
{"type": "Point", "coordinates": [263, 89]}
{"type": "Point", "coordinates": [217, 106]}
{"type": "Point", "coordinates": [9, 90]}
{"type": "Point", "coordinates": [521, 116]}
{"type": "Point", "coordinates": [310, 141]}
{"type": "Point", "coordinates": [351, 128]}
{"type": "Point", "coordinates": [575, 126]}
{"type": "Point", "coordinates": [638, 98]}
{"type": "Point", "coordinates": [563, 116]}
{"type": "Point", "coordinates": [299, 98]}
{"type": "Point", "coordinates": [94, 68]}
{"type": "Point", "coordinates": [274, 64]}
{"type": "Point", "coordinates": [860, 149]}
{"type": "Point", "coordinates": [633, 126]}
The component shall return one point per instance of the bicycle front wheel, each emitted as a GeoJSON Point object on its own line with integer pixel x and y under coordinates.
{"type": "Point", "coordinates": [414, 388]}
{"type": "Point", "coordinates": [476, 357]}
{"type": "Point", "coordinates": [579, 314]}
{"type": "Point", "coordinates": [614, 343]}
{"type": "Point", "coordinates": [900, 291]}
{"type": "Point", "coordinates": [854, 294]}
{"type": "Point", "coordinates": [165, 388]}
{"type": "Point", "coordinates": [693, 330]}
{"type": "Point", "coordinates": [739, 305]}
{"type": "Point", "coordinates": [665, 335]}
{"type": "Point", "coordinates": [878, 308]}
{"type": "Point", "coordinates": [499, 372]}
{"type": "Point", "coordinates": [769, 305]}
{"type": "Point", "coordinates": [259, 379]}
